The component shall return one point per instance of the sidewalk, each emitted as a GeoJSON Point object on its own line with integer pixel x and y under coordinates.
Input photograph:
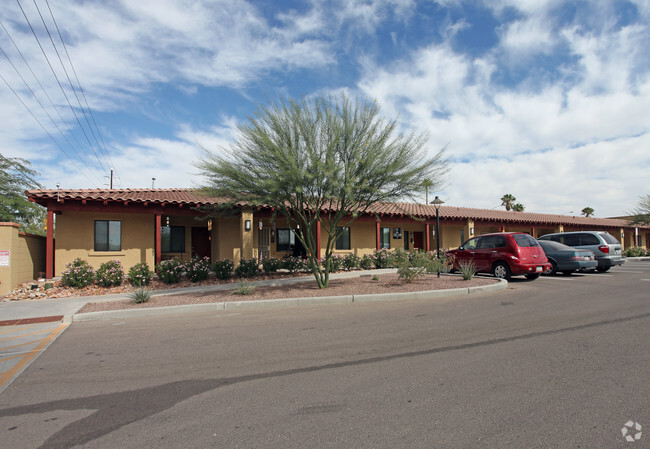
{"type": "Point", "coordinates": [67, 307]}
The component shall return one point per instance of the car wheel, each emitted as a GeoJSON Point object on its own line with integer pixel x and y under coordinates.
{"type": "Point", "coordinates": [603, 269]}
{"type": "Point", "coordinates": [532, 276]}
{"type": "Point", "coordinates": [501, 270]}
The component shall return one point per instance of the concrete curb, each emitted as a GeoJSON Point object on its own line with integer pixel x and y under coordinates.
{"type": "Point", "coordinates": [287, 302]}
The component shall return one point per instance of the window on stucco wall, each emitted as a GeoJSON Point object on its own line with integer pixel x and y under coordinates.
{"type": "Point", "coordinates": [108, 235]}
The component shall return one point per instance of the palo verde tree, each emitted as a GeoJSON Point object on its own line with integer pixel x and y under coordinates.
{"type": "Point", "coordinates": [323, 160]}
{"type": "Point", "coordinates": [641, 214]}
{"type": "Point", "coordinates": [16, 176]}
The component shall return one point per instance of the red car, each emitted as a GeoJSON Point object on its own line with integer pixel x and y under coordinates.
{"type": "Point", "coordinates": [504, 254]}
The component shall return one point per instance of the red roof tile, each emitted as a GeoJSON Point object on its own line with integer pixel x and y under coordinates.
{"type": "Point", "coordinates": [193, 197]}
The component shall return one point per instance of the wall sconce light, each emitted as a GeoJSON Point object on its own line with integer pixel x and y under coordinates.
{"type": "Point", "coordinates": [260, 225]}
{"type": "Point", "coordinates": [471, 231]}
{"type": "Point", "coordinates": [209, 225]}
{"type": "Point", "coordinates": [247, 225]}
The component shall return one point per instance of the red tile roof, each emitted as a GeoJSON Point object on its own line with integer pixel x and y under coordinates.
{"type": "Point", "coordinates": [193, 197]}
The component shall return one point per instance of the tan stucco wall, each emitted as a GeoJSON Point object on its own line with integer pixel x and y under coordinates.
{"type": "Point", "coordinates": [26, 256]}
{"type": "Point", "coordinates": [75, 238]}
{"type": "Point", "coordinates": [226, 231]}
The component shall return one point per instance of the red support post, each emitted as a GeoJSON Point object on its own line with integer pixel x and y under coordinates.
{"type": "Point", "coordinates": [49, 246]}
{"type": "Point", "coordinates": [158, 251]}
{"type": "Point", "coordinates": [378, 236]}
{"type": "Point", "coordinates": [318, 240]}
{"type": "Point", "coordinates": [428, 238]}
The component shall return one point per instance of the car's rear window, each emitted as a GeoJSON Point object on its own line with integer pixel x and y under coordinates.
{"type": "Point", "coordinates": [550, 244]}
{"type": "Point", "coordinates": [524, 240]}
{"type": "Point", "coordinates": [609, 238]}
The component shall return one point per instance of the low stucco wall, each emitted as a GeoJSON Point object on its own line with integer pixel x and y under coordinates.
{"type": "Point", "coordinates": [22, 256]}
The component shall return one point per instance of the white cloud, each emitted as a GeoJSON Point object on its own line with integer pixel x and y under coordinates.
{"type": "Point", "coordinates": [554, 142]}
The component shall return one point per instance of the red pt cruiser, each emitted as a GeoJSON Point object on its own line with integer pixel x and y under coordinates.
{"type": "Point", "coordinates": [504, 254]}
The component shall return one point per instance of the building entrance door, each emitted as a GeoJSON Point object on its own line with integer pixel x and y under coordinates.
{"type": "Point", "coordinates": [418, 240]}
{"type": "Point", "coordinates": [201, 242]}
{"type": "Point", "coordinates": [264, 242]}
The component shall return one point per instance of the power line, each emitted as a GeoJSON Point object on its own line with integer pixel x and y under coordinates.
{"type": "Point", "coordinates": [79, 84]}
{"type": "Point", "coordinates": [69, 128]}
{"type": "Point", "coordinates": [59, 83]}
{"type": "Point", "coordinates": [44, 129]}
{"type": "Point", "coordinates": [83, 110]}
{"type": "Point", "coordinates": [39, 101]}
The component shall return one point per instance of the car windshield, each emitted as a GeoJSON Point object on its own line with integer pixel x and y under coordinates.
{"type": "Point", "coordinates": [550, 244]}
{"type": "Point", "coordinates": [609, 238]}
{"type": "Point", "coordinates": [524, 240]}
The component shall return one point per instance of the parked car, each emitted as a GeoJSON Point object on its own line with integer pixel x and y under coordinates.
{"type": "Point", "coordinates": [566, 258]}
{"type": "Point", "coordinates": [606, 248]}
{"type": "Point", "coordinates": [504, 254]}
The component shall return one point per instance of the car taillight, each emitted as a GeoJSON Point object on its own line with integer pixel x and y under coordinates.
{"type": "Point", "coordinates": [604, 248]}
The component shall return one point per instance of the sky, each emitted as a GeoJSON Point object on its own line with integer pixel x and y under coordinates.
{"type": "Point", "coordinates": [546, 100]}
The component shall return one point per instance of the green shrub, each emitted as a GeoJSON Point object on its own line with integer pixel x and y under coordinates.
{"type": "Point", "coordinates": [140, 274]}
{"type": "Point", "coordinates": [110, 274]}
{"type": "Point", "coordinates": [336, 263]}
{"type": "Point", "coordinates": [78, 274]}
{"type": "Point", "coordinates": [271, 264]}
{"type": "Point", "coordinates": [247, 268]}
{"type": "Point", "coordinates": [243, 289]}
{"type": "Point", "coordinates": [351, 262]}
{"type": "Point", "coordinates": [411, 265]}
{"type": "Point", "coordinates": [367, 262]}
{"type": "Point", "coordinates": [467, 269]}
{"type": "Point", "coordinates": [141, 295]}
{"type": "Point", "coordinates": [397, 257]}
{"type": "Point", "coordinates": [170, 271]}
{"type": "Point", "coordinates": [382, 258]}
{"type": "Point", "coordinates": [198, 269]}
{"type": "Point", "coordinates": [223, 269]}
{"type": "Point", "coordinates": [294, 264]}
{"type": "Point", "coordinates": [636, 251]}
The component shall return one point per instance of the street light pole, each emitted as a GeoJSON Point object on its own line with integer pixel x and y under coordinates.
{"type": "Point", "coordinates": [437, 202]}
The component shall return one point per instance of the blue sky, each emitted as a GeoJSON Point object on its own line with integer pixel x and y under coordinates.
{"type": "Point", "coordinates": [546, 100]}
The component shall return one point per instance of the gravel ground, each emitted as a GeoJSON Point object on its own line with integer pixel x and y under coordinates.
{"type": "Point", "coordinates": [386, 283]}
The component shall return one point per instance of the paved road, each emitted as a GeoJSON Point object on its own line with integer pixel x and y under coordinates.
{"type": "Point", "coordinates": [558, 362]}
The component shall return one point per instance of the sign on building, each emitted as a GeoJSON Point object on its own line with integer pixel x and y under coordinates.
{"type": "Point", "coordinates": [4, 258]}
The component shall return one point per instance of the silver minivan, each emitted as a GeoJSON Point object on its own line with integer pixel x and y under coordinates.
{"type": "Point", "coordinates": [606, 248]}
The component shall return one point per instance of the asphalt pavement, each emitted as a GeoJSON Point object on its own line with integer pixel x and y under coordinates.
{"type": "Point", "coordinates": [558, 362]}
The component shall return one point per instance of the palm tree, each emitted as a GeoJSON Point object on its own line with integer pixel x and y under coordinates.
{"type": "Point", "coordinates": [518, 207]}
{"type": "Point", "coordinates": [426, 184]}
{"type": "Point", "coordinates": [587, 212]}
{"type": "Point", "coordinates": [508, 200]}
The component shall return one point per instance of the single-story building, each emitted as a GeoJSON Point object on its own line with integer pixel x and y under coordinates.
{"type": "Point", "coordinates": [150, 225]}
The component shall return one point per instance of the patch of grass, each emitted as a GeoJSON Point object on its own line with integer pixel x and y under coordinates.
{"type": "Point", "coordinates": [467, 270]}
{"type": "Point", "coordinates": [141, 295]}
{"type": "Point", "coordinates": [375, 278]}
{"type": "Point", "coordinates": [244, 289]}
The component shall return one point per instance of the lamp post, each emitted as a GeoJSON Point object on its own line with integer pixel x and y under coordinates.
{"type": "Point", "coordinates": [437, 202]}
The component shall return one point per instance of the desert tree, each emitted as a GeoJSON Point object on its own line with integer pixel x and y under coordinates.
{"type": "Point", "coordinates": [587, 211]}
{"type": "Point", "coordinates": [518, 207]}
{"type": "Point", "coordinates": [641, 213]}
{"type": "Point", "coordinates": [16, 176]}
{"type": "Point", "coordinates": [321, 160]}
